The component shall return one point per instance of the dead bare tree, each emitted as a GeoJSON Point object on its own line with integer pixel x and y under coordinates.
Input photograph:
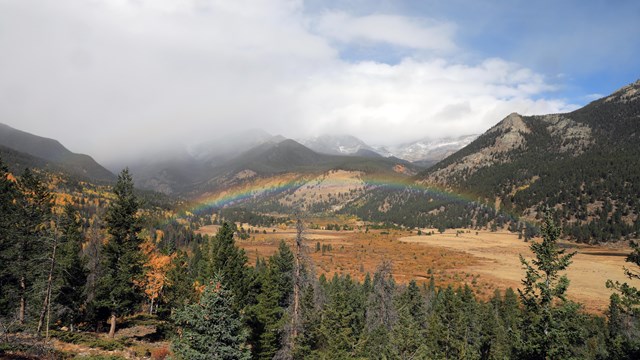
{"type": "Point", "coordinates": [93, 252]}
{"type": "Point", "coordinates": [297, 280]}
{"type": "Point", "coordinates": [47, 298]}
{"type": "Point", "coordinates": [301, 275]}
{"type": "Point", "coordinates": [381, 311]}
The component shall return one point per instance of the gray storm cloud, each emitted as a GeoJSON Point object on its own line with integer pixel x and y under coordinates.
{"type": "Point", "coordinates": [115, 78]}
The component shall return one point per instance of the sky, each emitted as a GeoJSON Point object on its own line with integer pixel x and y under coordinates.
{"type": "Point", "coordinates": [125, 78]}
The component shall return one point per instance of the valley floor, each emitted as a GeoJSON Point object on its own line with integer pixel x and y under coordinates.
{"type": "Point", "coordinates": [484, 260]}
{"type": "Point", "coordinates": [498, 259]}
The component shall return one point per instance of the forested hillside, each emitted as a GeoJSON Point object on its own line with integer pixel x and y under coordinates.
{"type": "Point", "coordinates": [583, 165]}
{"type": "Point", "coordinates": [37, 151]}
{"type": "Point", "coordinates": [111, 257]}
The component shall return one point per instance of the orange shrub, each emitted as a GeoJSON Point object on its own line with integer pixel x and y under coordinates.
{"type": "Point", "coordinates": [159, 353]}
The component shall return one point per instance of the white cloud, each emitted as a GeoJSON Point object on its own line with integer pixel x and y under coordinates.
{"type": "Point", "coordinates": [394, 103]}
{"type": "Point", "coordinates": [423, 34]}
{"type": "Point", "coordinates": [114, 78]}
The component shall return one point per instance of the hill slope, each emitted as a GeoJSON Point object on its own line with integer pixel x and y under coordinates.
{"type": "Point", "coordinates": [585, 165]}
{"type": "Point", "coordinates": [177, 171]}
{"type": "Point", "coordinates": [290, 157]}
{"type": "Point", "coordinates": [53, 153]}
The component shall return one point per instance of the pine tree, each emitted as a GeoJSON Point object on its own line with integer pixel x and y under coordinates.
{"type": "Point", "coordinates": [409, 332]}
{"type": "Point", "coordinates": [310, 317]}
{"type": "Point", "coordinates": [546, 331]}
{"type": "Point", "coordinates": [71, 296]}
{"type": "Point", "coordinates": [226, 259]}
{"type": "Point", "coordinates": [624, 311]}
{"type": "Point", "coordinates": [35, 204]}
{"type": "Point", "coordinates": [210, 329]}
{"type": "Point", "coordinates": [381, 314]}
{"type": "Point", "coordinates": [122, 258]}
{"type": "Point", "coordinates": [510, 313]}
{"type": "Point", "coordinates": [273, 301]}
{"type": "Point", "coordinates": [8, 233]}
{"type": "Point", "coordinates": [494, 341]}
{"type": "Point", "coordinates": [472, 330]}
{"type": "Point", "coordinates": [343, 318]}
{"type": "Point", "coordinates": [179, 289]}
{"type": "Point", "coordinates": [447, 326]}
{"type": "Point", "coordinates": [92, 252]}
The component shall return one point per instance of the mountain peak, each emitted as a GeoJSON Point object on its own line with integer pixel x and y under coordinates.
{"type": "Point", "coordinates": [512, 123]}
{"type": "Point", "coordinates": [626, 94]}
{"type": "Point", "coordinates": [428, 150]}
{"type": "Point", "coordinates": [336, 144]}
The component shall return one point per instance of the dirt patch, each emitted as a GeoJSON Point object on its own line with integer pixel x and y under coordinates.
{"type": "Point", "coordinates": [210, 230]}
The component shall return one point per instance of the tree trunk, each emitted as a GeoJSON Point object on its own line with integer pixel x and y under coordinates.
{"type": "Point", "coordinates": [297, 283]}
{"type": "Point", "coordinates": [23, 290]}
{"type": "Point", "coordinates": [112, 329]}
{"type": "Point", "coordinates": [47, 297]}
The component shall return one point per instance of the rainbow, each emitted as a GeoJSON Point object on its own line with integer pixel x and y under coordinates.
{"type": "Point", "coordinates": [267, 187]}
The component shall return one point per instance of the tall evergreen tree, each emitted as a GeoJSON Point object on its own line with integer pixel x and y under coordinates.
{"type": "Point", "coordinates": [35, 203]}
{"type": "Point", "coordinates": [448, 327]}
{"type": "Point", "coordinates": [624, 311]}
{"type": "Point", "coordinates": [180, 284]}
{"type": "Point", "coordinates": [381, 314]}
{"type": "Point", "coordinates": [272, 302]}
{"type": "Point", "coordinates": [122, 257]}
{"type": "Point", "coordinates": [411, 329]}
{"type": "Point", "coordinates": [310, 317]}
{"type": "Point", "coordinates": [8, 233]}
{"type": "Point", "coordinates": [226, 259]}
{"type": "Point", "coordinates": [95, 313]}
{"type": "Point", "coordinates": [342, 322]}
{"type": "Point", "coordinates": [546, 327]}
{"type": "Point", "coordinates": [510, 314]}
{"type": "Point", "coordinates": [210, 329]}
{"type": "Point", "coordinates": [494, 341]}
{"type": "Point", "coordinates": [71, 295]}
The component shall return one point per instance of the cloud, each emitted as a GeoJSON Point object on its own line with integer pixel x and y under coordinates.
{"type": "Point", "coordinates": [116, 78]}
{"type": "Point", "coordinates": [423, 34]}
{"type": "Point", "coordinates": [386, 104]}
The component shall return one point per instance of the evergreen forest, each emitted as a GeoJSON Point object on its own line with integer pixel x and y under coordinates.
{"type": "Point", "coordinates": [82, 277]}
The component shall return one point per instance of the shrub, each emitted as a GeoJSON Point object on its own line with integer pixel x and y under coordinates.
{"type": "Point", "coordinates": [159, 353]}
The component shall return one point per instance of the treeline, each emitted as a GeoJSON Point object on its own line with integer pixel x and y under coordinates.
{"type": "Point", "coordinates": [39, 253]}
{"type": "Point", "coordinates": [244, 215]}
{"type": "Point", "coordinates": [75, 258]}
{"type": "Point", "coordinates": [418, 208]}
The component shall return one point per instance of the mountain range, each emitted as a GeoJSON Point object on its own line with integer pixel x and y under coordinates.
{"type": "Point", "coordinates": [582, 166]}
{"type": "Point", "coordinates": [21, 149]}
{"type": "Point", "coordinates": [196, 168]}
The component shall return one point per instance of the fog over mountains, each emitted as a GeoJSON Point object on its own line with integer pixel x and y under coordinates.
{"type": "Point", "coordinates": [584, 164]}
{"type": "Point", "coordinates": [178, 168]}
{"type": "Point", "coordinates": [199, 163]}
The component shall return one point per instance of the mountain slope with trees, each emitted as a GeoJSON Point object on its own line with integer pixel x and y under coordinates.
{"type": "Point", "coordinates": [49, 152]}
{"type": "Point", "coordinates": [199, 296]}
{"type": "Point", "coordinates": [585, 165]}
